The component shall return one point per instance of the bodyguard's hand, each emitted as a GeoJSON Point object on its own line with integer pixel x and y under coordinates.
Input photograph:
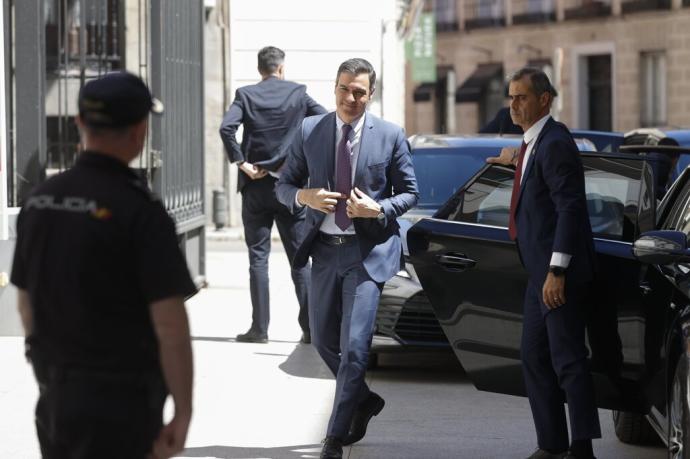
{"type": "Point", "coordinates": [253, 171]}
{"type": "Point", "coordinates": [553, 292]}
{"type": "Point", "coordinates": [171, 438]}
{"type": "Point", "coordinates": [507, 157]}
{"type": "Point", "coordinates": [319, 199]}
{"type": "Point", "coordinates": [362, 206]}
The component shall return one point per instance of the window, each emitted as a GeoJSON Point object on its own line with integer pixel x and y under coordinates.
{"type": "Point", "coordinates": [446, 15]}
{"type": "Point", "coordinates": [653, 88]}
{"type": "Point", "coordinates": [612, 187]}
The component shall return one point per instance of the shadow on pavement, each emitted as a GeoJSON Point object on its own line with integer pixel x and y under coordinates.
{"type": "Point", "coordinates": [233, 452]}
{"type": "Point", "coordinates": [305, 362]}
{"type": "Point", "coordinates": [419, 367]}
{"type": "Point", "coordinates": [221, 339]}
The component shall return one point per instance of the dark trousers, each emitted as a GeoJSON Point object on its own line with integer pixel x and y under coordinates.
{"type": "Point", "coordinates": [554, 359]}
{"type": "Point", "coordinates": [260, 208]}
{"type": "Point", "coordinates": [343, 307]}
{"type": "Point", "coordinates": [109, 415]}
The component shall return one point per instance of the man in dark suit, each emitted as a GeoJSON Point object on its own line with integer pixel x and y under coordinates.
{"type": "Point", "coordinates": [353, 172]}
{"type": "Point", "coordinates": [550, 224]}
{"type": "Point", "coordinates": [270, 111]}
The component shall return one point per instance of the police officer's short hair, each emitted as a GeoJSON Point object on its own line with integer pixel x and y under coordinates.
{"type": "Point", "coordinates": [355, 66]}
{"type": "Point", "coordinates": [539, 79]}
{"type": "Point", "coordinates": [270, 58]}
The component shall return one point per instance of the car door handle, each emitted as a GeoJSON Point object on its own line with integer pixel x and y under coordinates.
{"type": "Point", "coordinates": [455, 261]}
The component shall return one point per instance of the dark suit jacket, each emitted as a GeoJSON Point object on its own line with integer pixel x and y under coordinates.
{"type": "Point", "coordinates": [551, 213]}
{"type": "Point", "coordinates": [270, 112]}
{"type": "Point", "coordinates": [383, 172]}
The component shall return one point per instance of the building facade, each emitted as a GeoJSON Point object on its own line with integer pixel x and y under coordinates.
{"type": "Point", "coordinates": [617, 64]}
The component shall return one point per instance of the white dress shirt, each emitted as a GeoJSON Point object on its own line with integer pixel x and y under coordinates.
{"type": "Point", "coordinates": [328, 225]}
{"type": "Point", "coordinates": [530, 137]}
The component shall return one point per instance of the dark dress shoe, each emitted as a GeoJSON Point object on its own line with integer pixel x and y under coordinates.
{"type": "Point", "coordinates": [365, 411]}
{"type": "Point", "coordinates": [306, 338]}
{"type": "Point", "coordinates": [252, 337]}
{"type": "Point", "coordinates": [572, 456]}
{"type": "Point", "coordinates": [332, 448]}
{"type": "Point", "coordinates": [543, 454]}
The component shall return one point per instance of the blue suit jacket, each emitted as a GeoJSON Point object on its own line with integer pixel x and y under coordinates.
{"type": "Point", "coordinates": [551, 213]}
{"type": "Point", "coordinates": [383, 172]}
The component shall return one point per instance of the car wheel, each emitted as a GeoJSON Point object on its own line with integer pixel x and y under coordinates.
{"type": "Point", "coordinates": [633, 428]}
{"type": "Point", "coordinates": [679, 412]}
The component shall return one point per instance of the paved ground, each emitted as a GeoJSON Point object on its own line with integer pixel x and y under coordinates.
{"type": "Point", "coordinates": [273, 401]}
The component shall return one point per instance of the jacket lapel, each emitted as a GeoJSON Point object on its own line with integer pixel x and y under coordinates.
{"type": "Point", "coordinates": [530, 162]}
{"type": "Point", "coordinates": [366, 142]}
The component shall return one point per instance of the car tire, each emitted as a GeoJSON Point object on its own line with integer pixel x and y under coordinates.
{"type": "Point", "coordinates": [633, 428]}
{"type": "Point", "coordinates": [679, 411]}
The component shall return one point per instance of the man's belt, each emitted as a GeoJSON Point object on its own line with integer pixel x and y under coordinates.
{"type": "Point", "coordinates": [337, 239]}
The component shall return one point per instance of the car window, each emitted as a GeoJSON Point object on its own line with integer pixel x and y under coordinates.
{"type": "Point", "coordinates": [612, 187]}
{"type": "Point", "coordinates": [679, 216]}
{"type": "Point", "coordinates": [441, 171]}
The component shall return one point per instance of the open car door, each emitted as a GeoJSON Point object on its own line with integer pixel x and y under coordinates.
{"type": "Point", "coordinates": [472, 274]}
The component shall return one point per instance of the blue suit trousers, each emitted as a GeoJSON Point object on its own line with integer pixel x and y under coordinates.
{"type": "Point", "coordinates": [342, 315]}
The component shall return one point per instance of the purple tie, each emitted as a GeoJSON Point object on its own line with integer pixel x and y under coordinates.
{"type": "Point", "coordinates": [343, 177]}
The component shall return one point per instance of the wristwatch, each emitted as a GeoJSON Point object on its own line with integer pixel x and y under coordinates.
{"type": "Point", "coordinates": [557, 270]}
{"type": "Point", "coordinates": [381, 217]}
{"type": "Point", "coordinates": [240, 162]}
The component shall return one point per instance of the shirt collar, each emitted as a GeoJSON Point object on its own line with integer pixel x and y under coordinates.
{"type": "Point", "coordinates": [356, 123]}
{"type": "Point", "coordinates": [533, 132]}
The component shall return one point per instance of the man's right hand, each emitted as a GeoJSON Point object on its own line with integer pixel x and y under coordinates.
{"type": "Point", "coordinates": [254, 172]}
{"type": "Point", "coordinates": [319, 199]}
{"type": "Point", "coordinates": [507, 157]}
{"type": "Point", "coordinates": [171, 438]}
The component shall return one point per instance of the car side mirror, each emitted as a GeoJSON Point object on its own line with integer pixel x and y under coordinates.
{"type": "Point", "coordinates": [661, 247]}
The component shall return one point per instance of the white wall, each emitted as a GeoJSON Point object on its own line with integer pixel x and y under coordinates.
{"type": "Point", "coordinates": [318, 35]}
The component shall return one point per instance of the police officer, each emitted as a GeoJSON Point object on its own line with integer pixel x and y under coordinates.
{"type": "Point", "coordinates": [101, 284]}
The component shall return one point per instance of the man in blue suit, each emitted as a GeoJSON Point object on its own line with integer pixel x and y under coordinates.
{"type": "Point", "coordinates": [550, 224]}
{"type": "Point", "coordinates": [270, 111]}
{"type": "Point", "coordinates": [354, 174]}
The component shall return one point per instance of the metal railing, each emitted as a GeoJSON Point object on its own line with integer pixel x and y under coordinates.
{"type": "Point", "coordinates": [581, 9]}
{"type": "Point", "coordinates": [533, 11]}
{"type": "Point", "coordinates": [633, 6]}
{"type": "Point", "coordinates": [484, 13]}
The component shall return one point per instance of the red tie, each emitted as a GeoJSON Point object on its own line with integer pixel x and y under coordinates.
{"type": "Point", "coordinates": [512, 227]}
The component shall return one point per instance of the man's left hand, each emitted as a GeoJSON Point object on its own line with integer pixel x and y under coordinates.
{"type": "Point", "coordinates": [362, 206]}
{"type": "Point", "coordinates": [553, 292]}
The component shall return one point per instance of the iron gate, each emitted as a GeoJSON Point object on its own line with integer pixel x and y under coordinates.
{"type": "Point", "coordinates": [61, 44]}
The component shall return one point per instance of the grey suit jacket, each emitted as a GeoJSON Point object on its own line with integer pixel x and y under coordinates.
{"type": "Point", "coordinates": [383, 172]}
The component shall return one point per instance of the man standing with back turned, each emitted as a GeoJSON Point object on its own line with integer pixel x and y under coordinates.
{"type": "Point", "coordinates": [101, 284]}
{"type": "Point", "coordinates": [550, 224]}
{"type": "Point", "coordinates": [360, 179]}
{"type": "Point", "coordinates": [270, 112]}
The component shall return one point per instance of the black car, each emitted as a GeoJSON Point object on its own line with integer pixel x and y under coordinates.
{"type": "Point", "coordinates": [639, 318]}
{"type": "Point", "coordinates": [442, 163]}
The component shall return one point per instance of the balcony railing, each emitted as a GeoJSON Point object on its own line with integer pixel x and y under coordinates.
{"type": "Point", "coordinates": [581, 9]}
{"type": "Point", "coordinates": [484, 13]}
{"type": "Point", "coordinates": [633, 6]}
{"type": "Point", "coordinates": [533, 11]}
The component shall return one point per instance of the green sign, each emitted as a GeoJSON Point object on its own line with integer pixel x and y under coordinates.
{"type": "Point", "coordinates": [421, 49]}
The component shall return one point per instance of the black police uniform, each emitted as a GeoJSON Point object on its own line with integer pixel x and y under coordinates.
{"type": "Point", "coordinates": [94, 250]}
